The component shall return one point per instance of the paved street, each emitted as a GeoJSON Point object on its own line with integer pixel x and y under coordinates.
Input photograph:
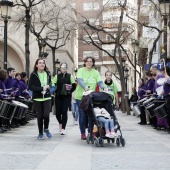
{"type": "Point", "coordinates": [145, 149]}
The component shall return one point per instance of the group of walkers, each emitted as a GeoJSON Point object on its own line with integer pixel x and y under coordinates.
{"type": "Point", "coordinates": [153, 87]}
{"type": "Point", "coordinates": [41, 86]}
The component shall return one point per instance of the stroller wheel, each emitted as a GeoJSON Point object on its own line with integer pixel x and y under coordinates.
{"type": "Point", "coordinates": [123, 141]}
{"type": "Point", "coordinates": [96, 142]}
{"type": "Point", "coordinates": [88, 139]}
{"type": "Point", "coordinates": [118, 142]}
{"type": "Point", "coordinates": [101, 141]}
{"type": "Point", "coordinates": [108, 140]}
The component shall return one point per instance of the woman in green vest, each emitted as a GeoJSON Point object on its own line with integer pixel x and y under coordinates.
{"type": "Point", "coordinates": [111, 87]}
{"type": "Point", "coordinates": [39, 84]}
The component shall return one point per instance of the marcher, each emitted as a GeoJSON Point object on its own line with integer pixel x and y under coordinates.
{"type": "Point", "coordinates": [75, 112]}
{"type": "Point", "coordinates": [88, 78]}
{"type": "Point", "coordinates": [111, 87]}
{"type": "Point", "coordinates": [141, 95]}
{"type": "Point", "coordinates": [65, 85]}
{"type": "Point", "coordinates": [39, 84]}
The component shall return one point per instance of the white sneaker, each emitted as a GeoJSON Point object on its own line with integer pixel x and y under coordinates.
{"type": "Point", "coordinates": [76, 122]}
{"type": "Point", "coordinates": [113, 134]}
{"type": "Point", "coordinates": [107, 135]}
{"type": "Point", "coordinates": [63, 132]}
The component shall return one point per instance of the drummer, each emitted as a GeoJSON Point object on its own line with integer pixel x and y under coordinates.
{"type": "Point", "coordinates": [155, 72]}
{"type": "Point", "coordinates": [141, 94]}
{"type": "Point", "coordinates": [166, 92]}
{"type": "Point", "coordinates": [150, 83]}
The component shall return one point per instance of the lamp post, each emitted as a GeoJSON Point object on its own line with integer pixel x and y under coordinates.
{"type": "Point", "coordinates": [57, 66]}
{"type": "Point", "coordinates": [126, 75]}
{"type": "Point", "coordinates": [165, 11]}
{"type": "Point", "coordinates": [6, 9]}
{"type": "Point", "coordinates": [135, 45]}
{"type": "Point", "coordinates": [42, 46]}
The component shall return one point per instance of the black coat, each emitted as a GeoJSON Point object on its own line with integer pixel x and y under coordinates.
{"type": "Point", "coordinates": [35, 85]}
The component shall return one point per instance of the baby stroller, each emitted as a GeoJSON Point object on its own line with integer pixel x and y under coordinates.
{"type": "Point", "coordinates": [101, 100]}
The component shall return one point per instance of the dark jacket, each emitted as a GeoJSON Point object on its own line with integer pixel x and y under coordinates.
{"type": "Point", "coordinates": [35, 85]}
{"type": "Point", "coordinates": [64, 79]}
{"type": "Point", "coordinates": [2, 86]}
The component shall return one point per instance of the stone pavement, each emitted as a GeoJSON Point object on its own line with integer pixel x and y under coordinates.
{"type": "Point", "coordinates": [146, 149]}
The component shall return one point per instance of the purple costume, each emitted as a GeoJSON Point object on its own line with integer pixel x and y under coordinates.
{"type": "Point", "coordinates": [156, 85]}
{"type": "Point", "coordinates": [2, 86]}
{"type": "Point", "coordinates": [150, 85]}
{"type": "Point", "coordinates": [142, 91]}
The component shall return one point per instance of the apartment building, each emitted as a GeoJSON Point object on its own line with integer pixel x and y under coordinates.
{"type": "Point", "coordinates": [106, 13]}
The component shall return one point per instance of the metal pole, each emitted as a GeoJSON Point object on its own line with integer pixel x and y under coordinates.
{"type": "Point", "coordinates": [135, 72]}
{"type": "Point", "coordinates": [5, 43]}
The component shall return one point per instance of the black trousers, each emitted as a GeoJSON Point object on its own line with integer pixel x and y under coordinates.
{"type": "Point", "coordinates": [43, 114]}
{"type": "Point", "coordinates": [168, 111]}
{"type": "Point", "coordinates": [62, 104]}
{"type": "Point", "coordinates": [143, 115]}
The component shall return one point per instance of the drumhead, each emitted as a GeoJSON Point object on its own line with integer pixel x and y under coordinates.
{"type": "Point", "coordinates": [148, 107]}
{"type": "Point", "coordinates": [19, 104]}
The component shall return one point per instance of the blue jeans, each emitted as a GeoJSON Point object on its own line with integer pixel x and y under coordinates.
{"type": "Point", "coordinates": [108, 123]}
{"type": "Point", "coordinates": [81, 117]}
{"type": "Point", "coordinates": [75, 111]}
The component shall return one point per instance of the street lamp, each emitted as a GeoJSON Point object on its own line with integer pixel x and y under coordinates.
{"type": "Point", "coordinates": [165, 7]}
{"type": "Point", "coordinates": [126, 75]}
{"type": "Point", "coordinates": [42, 46]}
{"type": "Point", "coordinates": [6, 9]}
{"type": "Point", "coordinates": [57, 66]}
{"type": "Point", "coordinates": [135, 45]}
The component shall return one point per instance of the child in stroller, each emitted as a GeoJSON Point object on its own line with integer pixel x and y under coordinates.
{"type": "Point", "coordinates": [105, 120]}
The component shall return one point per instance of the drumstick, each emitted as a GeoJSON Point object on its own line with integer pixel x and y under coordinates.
{"type": "Point", "coordinates": [143, 90]}
{"type": "Point", "coordinates": [7, 89]}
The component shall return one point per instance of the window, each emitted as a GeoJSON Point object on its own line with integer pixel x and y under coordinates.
{"type": "Point", "coordinates": [145, 2]}
{"type": "Point", "coordinates": [111, 51]}
{"type": "Point", "coordinates": [94, 54]}
{"type": "Point", "coordinates": [109, 38]}
{"type": "Point", "coordinates": [94, 21]}
{"type": "Point", "coordinates": [87, 39]}
{"type": "Point", "coordinates": [90, 6]}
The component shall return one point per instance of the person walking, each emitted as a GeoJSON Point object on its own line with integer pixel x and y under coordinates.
{"type": "Point", "coordinates": [87, 78]}
{"type": "Point", "coordinates": [111, 88]}
{"type": "Point", "coordinates": [65, 85]}
{"type": "Point", "coordinates": [39, 84]}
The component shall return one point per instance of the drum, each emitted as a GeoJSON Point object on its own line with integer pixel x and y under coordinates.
{"type": "Point", "coordinates": [150, 109]}
{"type": "Point", "coordinates": [148, 102]}
{"type": "Point", "coordinates": [136, 110]}
{"type": "Point", "coordinates": [161, 111]}
{"type": "Point", "coordinates": [141, 101]}
{"type": "Point", "coordinates": [21, 109]}
{"type": "Point", "coordinates": [7, 110]}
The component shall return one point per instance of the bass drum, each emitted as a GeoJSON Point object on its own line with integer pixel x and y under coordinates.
{"type": "Point", "coordinates": [161, 111]}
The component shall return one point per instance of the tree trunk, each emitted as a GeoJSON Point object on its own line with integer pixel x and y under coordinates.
{"type": "Point", "coordinates": [53, 59]}
{"type": "Point", "coordinates": [27, 51]}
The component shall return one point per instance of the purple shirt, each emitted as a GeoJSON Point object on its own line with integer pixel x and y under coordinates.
{"type": "Point", "coordinates": [141, 91]}
{"type": "Point", "coordinates": [157, 85]}
{"type": "Point", "coordinates": [2, 86]}
{"type": "Point", "coordinates": [150, 85]}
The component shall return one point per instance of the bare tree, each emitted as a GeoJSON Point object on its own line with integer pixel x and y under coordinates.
{"type": "Point", "coordinates": [53, 24]}
{"type": "Point", "coordinates": [118, 35]}
{"type": "Point", "coordinates": [24, 16]}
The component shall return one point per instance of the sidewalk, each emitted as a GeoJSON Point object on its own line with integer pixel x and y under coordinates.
{"type": "Point", "coordinates": [146, 149]}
